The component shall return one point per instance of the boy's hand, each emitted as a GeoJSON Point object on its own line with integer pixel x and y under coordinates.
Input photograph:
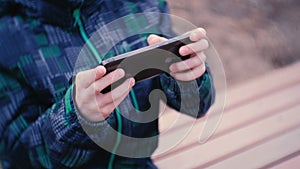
{"type": "Point", "coordinates": [91, 103]}
{"type": "Point", "coordinates": [191, 68]}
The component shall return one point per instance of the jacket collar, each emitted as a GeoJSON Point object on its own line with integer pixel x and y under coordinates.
{"type": "Point", "coordinates": [58, 13]}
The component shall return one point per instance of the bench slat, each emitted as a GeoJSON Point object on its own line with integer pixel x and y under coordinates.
{"type": "Point", "coordinates": [264, 154]}
{"type": "Point", "coordinates": [237, 96]}
{"type": "Point", "coordinates": [236, 142]}
{"type": "Point", "coordinates": [258, 114]}
{"type": "Point", "coordinates": [236, 118]}
{"type": "Point", "coordinates": [292, 163]}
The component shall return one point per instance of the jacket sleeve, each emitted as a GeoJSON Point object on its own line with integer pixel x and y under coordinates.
{"type": "Point", "coordinates": [33, 135]}
{"type": "Point", "coordinates": [193, 98]}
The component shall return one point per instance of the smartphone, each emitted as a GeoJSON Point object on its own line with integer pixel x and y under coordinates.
{"type": "Point", "coordinates": [148, 61]}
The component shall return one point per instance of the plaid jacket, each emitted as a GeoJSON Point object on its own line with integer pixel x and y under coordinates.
{"type": "Point", "coordinates": [39, 46]}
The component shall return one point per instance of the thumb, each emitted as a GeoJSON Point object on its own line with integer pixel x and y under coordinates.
{"type": "Point", "coordinates": [154, 39]}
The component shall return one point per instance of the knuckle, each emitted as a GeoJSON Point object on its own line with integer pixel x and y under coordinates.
{"type": "Point", "coordinates": [102, 110]}
{"type": "Point", "coordinates": [99, 104]}
{"type": "Point", "coordinates": [193, 46]}
{"type": "Point", "coordinates": [108, 78]}
{"type": "Point", "coordinates": [196, 47]}
{"type": "Point", "coordinates": [106, 111]}
{"type": "Point", "coordinates": [123, 88]}
{"type": "Point", "coordinates": [183, 66]}
{"type": "Point", "coordinates": [116, 75]}
{"type": "Point", "coordinates": [113, 76]}
{"type": "Point", "coordinates": [193, 63]}
{"type": "Point", "coordinates": [97, 87]}
{"type": "Point", "coordinates": [198, 60]}
{"type": "Point", "coordinates": [107, 97]}
{"type": "Point", "coordinates": [178, 65]}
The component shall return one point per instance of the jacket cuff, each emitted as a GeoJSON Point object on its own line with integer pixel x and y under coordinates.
{"type": "Point", "coordinates": [192, 98]}
{"type": "Point", "coordinates": [70, 126]}
{"type": "Point", "coordinates": [80, 118]}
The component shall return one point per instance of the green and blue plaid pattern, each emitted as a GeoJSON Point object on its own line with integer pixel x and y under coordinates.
{"type": "Point", "coordinates": [39, 46]}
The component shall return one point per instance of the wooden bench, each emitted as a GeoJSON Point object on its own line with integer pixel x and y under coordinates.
{"type": "Point", "coordinates": [260, 128]}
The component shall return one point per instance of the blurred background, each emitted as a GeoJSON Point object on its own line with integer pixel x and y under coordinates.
{"type": "Point", "coordinates": [258, 42]}
{"type": "Point", "coordinates": [252, 37]}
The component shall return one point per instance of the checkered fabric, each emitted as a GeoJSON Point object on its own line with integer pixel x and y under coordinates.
{"type": "Point", "coordinates": [39, 47]}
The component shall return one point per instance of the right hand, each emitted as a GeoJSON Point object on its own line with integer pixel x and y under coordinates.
{"type": "Point", "coordinates": [91, 103]}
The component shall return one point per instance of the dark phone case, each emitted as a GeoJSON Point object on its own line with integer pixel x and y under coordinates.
{"type": "Point", "coordinates": [148, 61]}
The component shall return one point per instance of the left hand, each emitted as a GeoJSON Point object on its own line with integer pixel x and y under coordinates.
{"type": "Point", "coordinates": [194, 67]}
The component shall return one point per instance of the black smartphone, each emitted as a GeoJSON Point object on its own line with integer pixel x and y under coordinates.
{"type": "Point", "coordinates": [148, 61]}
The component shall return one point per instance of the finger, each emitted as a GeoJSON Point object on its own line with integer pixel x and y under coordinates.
{"type": "Point", "coordinates": [154, 39]}
{"type": "Point", "coordinates": [100, 72]}
{"type": "Point", "coordinates": [188, 64]}
{"type": "Point", "coordinates": [118, 92]}
{"type": "Point", "coordinates": [191, 74]}
{"type": "Point", "coordinates": [116, 102]}
{"type": "Point", "coordinates": [86, 78]}
{"type": "Point", "coordinates": [107, 80]}
{"type": "Point", "coordinates": [109, 101]}
{"type": "Point", "coordinates": [197, 34]}
{"type": "Point", "coordinates": [202, 56]}
{"type": "Point", "coordinates": [198, 46]}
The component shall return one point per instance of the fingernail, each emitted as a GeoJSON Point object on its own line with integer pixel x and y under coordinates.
{"type": "Point", "coordinates": [150, 37]}
{"type": "Point", "coordinates": [183, 50]}
{"type": "Point", "coordinates": [194, 34]}
{"type": "Point", "coordinates": [98, 72]}
{"type": "Point", "coordinates": [132, 81]}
